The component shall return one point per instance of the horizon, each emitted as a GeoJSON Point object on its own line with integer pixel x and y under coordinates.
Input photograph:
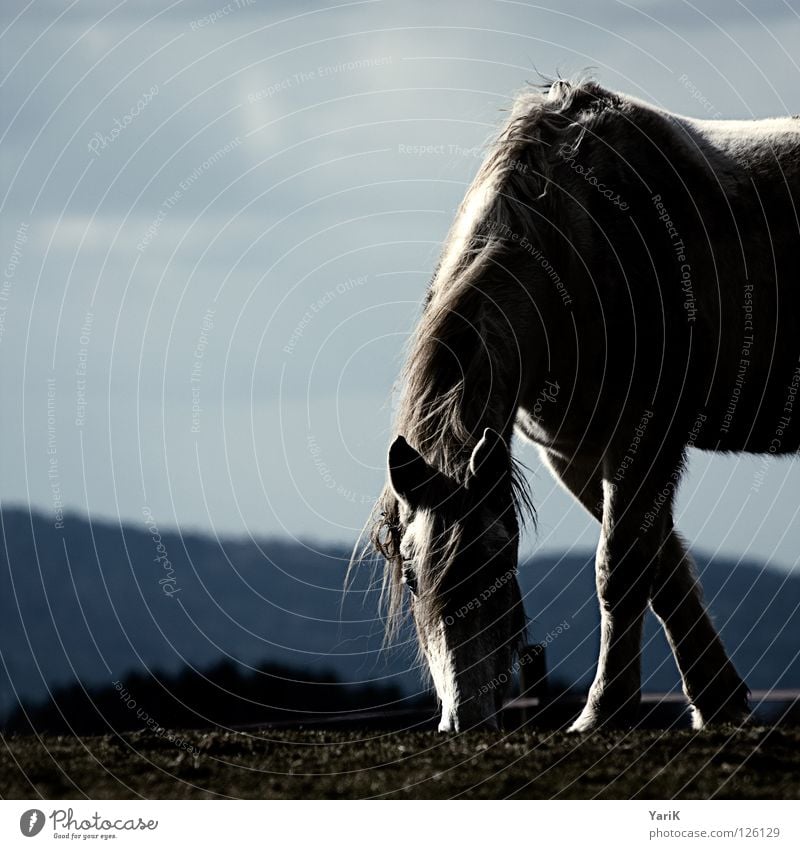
{"type": "Point", "coordinates": [342, 547]}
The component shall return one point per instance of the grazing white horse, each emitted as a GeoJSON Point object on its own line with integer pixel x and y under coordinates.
{"type": "Point", "coordinates": [620, 284]}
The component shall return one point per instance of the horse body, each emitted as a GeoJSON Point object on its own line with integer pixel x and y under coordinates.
{"type": "Point", "coordinates": [620, 284]}
{"type": "Point", "coordinates": [691, 297]}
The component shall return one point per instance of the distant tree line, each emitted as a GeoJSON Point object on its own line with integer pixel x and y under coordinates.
{"type": "Point", "coordinates": [223, 695]}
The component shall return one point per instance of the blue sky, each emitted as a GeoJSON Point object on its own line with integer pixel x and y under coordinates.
{"type": "Point", "coordinates": [218, 227]}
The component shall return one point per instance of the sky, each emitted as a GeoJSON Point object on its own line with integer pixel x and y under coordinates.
{"type": "Point", "coordinates": [219, 222]}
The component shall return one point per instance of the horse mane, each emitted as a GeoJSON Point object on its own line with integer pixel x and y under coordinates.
{"type": "Point", "coordinates": [464, 354]}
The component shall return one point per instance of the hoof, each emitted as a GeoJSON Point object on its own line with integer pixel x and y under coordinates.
{"type": "Point", "coordinates": [739, 717]}
{"type": "Point", "coordinates": [584, 724]}
{"type": "Point", "coordinates": [729, 708]}
{"type": "Point", "coordinates": [593, 719]}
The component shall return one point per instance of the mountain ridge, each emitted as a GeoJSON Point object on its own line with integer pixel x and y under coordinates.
{"type": "Point", "coordinates": [96, 602]}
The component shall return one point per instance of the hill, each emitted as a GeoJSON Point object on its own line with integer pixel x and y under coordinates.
{"type": "Point", "coordinates": [99, 603]}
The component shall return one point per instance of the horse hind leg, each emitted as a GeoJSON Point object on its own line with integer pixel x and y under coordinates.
{"type": "Point", "coordinates": [713, 687]}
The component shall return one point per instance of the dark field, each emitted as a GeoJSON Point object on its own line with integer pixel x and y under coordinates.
{"type": "Point", "coordinates": [756, 763]}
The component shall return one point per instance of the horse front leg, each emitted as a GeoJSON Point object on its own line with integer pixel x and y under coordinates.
{"type": "Point", "coordinates": [624, 569]}
{"type": "Point", "coordinates": [627, 557]}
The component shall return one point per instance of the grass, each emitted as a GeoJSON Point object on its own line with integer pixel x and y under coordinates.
{"type": "Point", "coordinates": [752, 763]}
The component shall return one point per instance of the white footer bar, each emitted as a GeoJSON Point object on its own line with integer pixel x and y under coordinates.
{"type": "Point", "coordinates": [404, 825]}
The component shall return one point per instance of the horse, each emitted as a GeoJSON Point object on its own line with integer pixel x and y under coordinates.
{"type": "Point", "coordinates": [619, 285]}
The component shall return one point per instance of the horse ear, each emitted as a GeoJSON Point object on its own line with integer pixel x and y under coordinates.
{"type": "Point", "coordinates": [490, 461]}
{"type": "Point", "coordinates": [409, 475]}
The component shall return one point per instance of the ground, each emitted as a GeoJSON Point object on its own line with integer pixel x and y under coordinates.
{"type": "Point", "coordinates": [755, 763]}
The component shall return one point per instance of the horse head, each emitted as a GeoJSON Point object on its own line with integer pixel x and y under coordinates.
{"type": "Point", "coordinates": [451, 548]}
